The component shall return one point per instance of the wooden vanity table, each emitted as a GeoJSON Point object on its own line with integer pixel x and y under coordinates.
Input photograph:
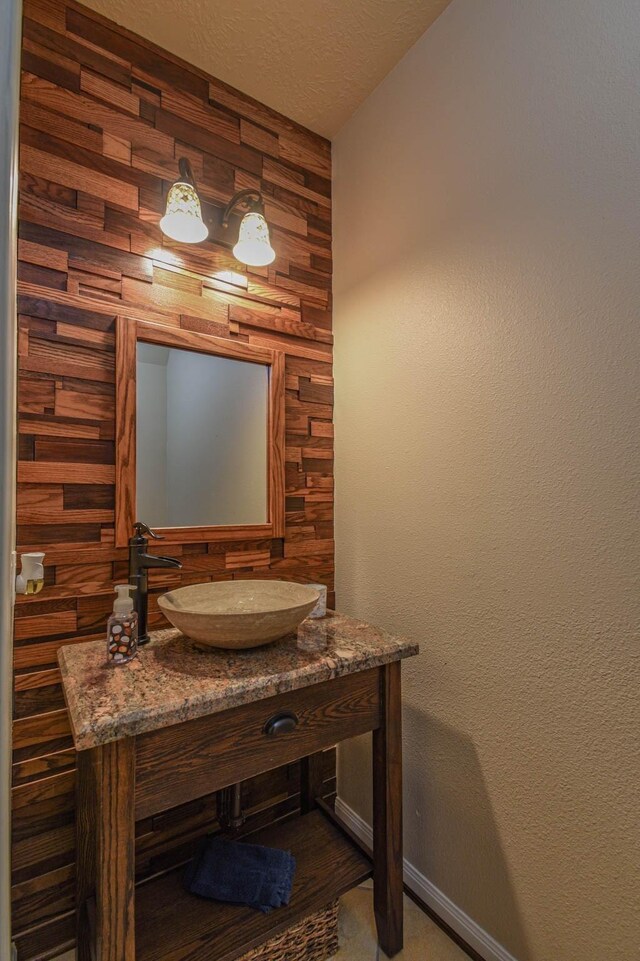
{"type": "Point", "coordinates": [177, 724]}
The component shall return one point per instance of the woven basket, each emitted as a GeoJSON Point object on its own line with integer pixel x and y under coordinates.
{"type": "Point", "coordinates": [313, 939]}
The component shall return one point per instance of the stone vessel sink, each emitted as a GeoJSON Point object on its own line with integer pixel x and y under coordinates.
{"type": "Point", "coordinates": [238, 614]}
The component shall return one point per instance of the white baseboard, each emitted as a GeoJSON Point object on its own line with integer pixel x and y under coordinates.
{"type": "Point", "coordinates": [475, 936]}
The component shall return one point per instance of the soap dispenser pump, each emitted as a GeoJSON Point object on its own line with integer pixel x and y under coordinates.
{"type": "Point", "coordinates": [122, 628]}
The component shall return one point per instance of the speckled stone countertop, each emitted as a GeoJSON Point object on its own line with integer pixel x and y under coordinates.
{"type": "Point", "coordinates": [172, 681]}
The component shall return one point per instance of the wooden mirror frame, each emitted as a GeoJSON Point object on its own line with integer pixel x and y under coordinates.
{"type": "Point", "coordinates": [128, 333]}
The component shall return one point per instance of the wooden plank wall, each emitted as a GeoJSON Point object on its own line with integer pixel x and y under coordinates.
{"type": "Point", "coordinates": [105, 115]}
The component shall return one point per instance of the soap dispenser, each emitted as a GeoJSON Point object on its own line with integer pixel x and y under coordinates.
{"type": "Point", "coordinates": [122, 628]}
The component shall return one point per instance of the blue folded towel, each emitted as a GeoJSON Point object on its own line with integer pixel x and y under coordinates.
{"type": "Point", "coordinates": [241, 874]}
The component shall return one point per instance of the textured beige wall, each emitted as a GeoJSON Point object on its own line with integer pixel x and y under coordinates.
{"type": "Point", "coordinates": [487, 281]}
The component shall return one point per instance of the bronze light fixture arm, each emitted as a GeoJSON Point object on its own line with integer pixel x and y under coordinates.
{"type": "Point", "coordinates": [185, 172]}
{"type": "Point", "coordinates": [249, 196]}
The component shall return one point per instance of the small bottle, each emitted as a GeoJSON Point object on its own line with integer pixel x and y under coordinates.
{"type": "Point", "coordinates": [122, 627]}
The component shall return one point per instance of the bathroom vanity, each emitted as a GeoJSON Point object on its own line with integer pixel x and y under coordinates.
{"type": "Point", "coordinates": [177, 724]}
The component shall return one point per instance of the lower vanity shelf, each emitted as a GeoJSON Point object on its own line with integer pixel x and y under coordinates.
{"type": "Point", "coordinates": [174, 925]}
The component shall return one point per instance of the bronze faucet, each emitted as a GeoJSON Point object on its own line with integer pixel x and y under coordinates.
{"type": "Point", "coordinates": [140, 563]}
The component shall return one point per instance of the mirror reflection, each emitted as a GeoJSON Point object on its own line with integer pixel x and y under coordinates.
{"type": "Point", "coordinates": [201, 439]}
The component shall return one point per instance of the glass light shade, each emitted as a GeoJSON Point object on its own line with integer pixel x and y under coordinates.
{"type": "Point", "coordinates": [253, 247]}
{"type": "Point", "coordinates": [183, 217]}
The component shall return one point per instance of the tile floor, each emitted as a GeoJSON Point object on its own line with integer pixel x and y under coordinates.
{"type": "Point", "coordinates": [423, 939]}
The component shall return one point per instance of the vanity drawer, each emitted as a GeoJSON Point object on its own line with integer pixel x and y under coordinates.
{"type": "Point", "coordinates": [188, 760]}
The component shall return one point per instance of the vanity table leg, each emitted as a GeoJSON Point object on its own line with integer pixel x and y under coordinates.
{"type": "Point", "coordinates": [387, 814]}
{"type": "Point", "coordinates": [311, 780]}
{"type": "Point", "coordinates": [106, 852]}
{"type": "Point", "coordinates": [85, 850]}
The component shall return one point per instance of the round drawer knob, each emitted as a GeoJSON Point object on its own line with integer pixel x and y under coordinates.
{"type": "Point", "coordinates": [281, 723]}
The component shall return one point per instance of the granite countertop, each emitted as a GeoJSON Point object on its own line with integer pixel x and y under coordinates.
{"type": "Point", "coordinates": [172, 681]}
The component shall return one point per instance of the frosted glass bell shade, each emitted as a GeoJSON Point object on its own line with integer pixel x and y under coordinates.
{"type": "Point", "coordinates": [183, 217]}
{"type": "Point", "coordinates": [253, 247]}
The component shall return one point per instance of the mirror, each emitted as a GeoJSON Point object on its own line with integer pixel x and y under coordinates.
{"type": "Point", "coordinates": [201, 439]}
{"type": "Point", "coordinates": [199, 435]}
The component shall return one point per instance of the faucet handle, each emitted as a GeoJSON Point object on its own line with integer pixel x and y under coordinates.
{"type": "Point", "coordinates": [142, 529]}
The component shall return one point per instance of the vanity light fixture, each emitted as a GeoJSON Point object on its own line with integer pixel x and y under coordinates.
{"type": "Point", "coordinates": [183, 216]}
{"type": "Point", "coordinates": [253, 247]}
{"type": "Point", "coordinates": [183, 219]}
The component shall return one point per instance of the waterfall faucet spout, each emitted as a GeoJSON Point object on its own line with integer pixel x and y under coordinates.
{"type": "Point", "coordinates": [140, 562]}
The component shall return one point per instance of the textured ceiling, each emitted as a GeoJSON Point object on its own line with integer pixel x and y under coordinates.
{"type": "Point", "coordinates": [313, 60]}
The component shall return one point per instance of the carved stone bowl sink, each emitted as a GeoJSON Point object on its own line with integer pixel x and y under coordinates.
{"type": "Point", "coordinates": [237, 614]}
